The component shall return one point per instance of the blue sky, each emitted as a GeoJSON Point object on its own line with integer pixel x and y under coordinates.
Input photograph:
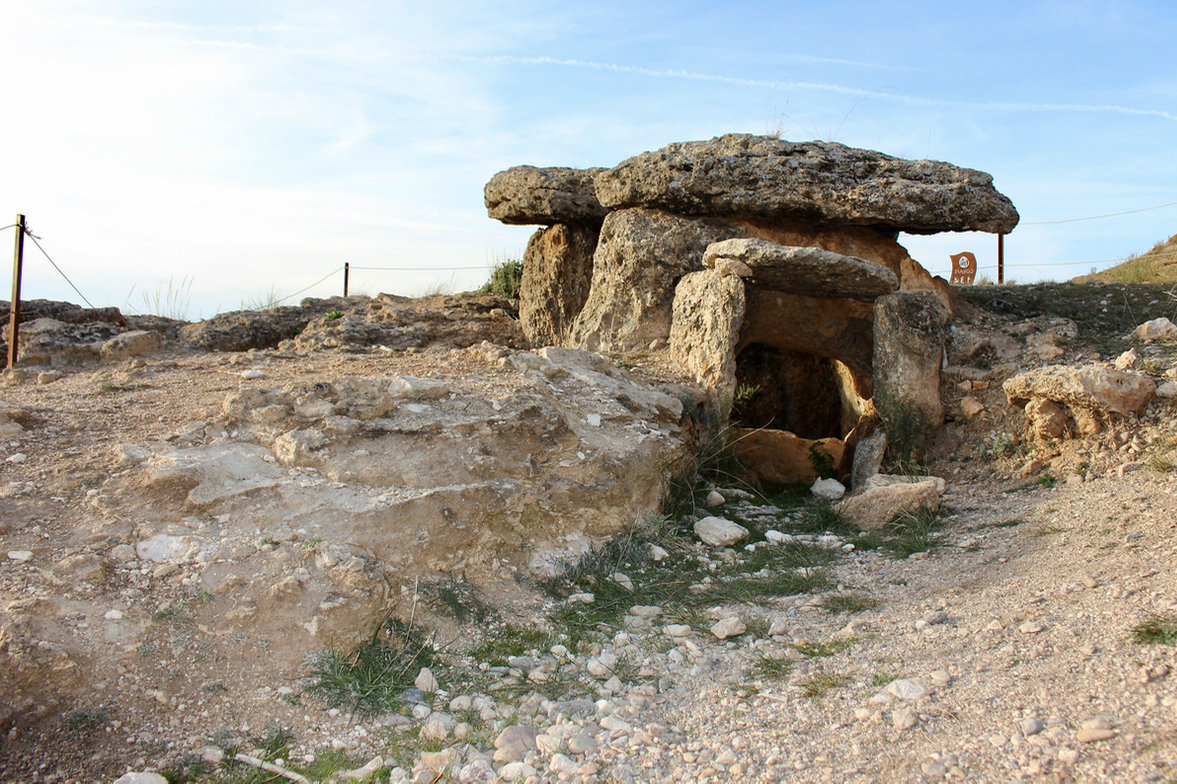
{"type": "Point", "coordinates": [254, 147]}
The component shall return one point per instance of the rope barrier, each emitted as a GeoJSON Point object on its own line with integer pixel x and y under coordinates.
{"type": "Point", "coordinates": [33, 237]}
{"type": "Point", "coordinates": [316, 283]}
{"type": "Point", "coordinates": [1097, 217]}
{"type": "Point", "coordinates": [418, 269]}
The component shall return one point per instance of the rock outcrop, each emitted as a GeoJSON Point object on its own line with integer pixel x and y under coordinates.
{"type": "Point", "coordinates": [1062, 399]}
{"type": "Point", "coordinates": [395, 476]}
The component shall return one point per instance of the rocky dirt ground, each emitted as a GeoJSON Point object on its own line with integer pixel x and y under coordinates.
{"type": "Point", "coordinates": [1006, 650]}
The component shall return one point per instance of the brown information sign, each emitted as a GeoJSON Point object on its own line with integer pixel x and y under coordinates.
{"type": "Point", "coordinates": [964, 269]}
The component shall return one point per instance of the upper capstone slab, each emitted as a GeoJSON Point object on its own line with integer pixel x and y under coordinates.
{"type": "Point", "coordinates": [823, 182]}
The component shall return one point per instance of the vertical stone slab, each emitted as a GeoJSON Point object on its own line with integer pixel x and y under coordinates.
{"type": "Point", "coordinates": [909, 333]}
{"type": "Point", "coordinates": [557, 273]}
{"type": "Point", "coordinates": [641, 256]}
{"type": "Point", "coordinates": [708, 314]}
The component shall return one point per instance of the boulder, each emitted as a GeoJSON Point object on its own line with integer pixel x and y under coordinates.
{"type": "Point", "coordinates": [529, 195]}
{"type": "Point", "coordinates": [881, 500]}
{"type": "Point", "coordinates": [778, 457]}
{"type": "Point", "coordinates": [823, 182]}
{"type": "Point", "coordinates": [430, 476]}
{"type": "Point", "coordinates": [641, 256]}
{"type": "Point", "coordinates": [557, 273]}
{"type": "Point", "coordinates": [708, 314]}
{"type": "Point", "coordinates": [135, 343]}
{"type": "Point", "coordinates": [1090, 393]}
{"type": "Point", "coordinates": [909, 335]}
{"type": "Point", "coordinates": [1157, 329]}
{"type": "Point", "coordinates": [807, 271]}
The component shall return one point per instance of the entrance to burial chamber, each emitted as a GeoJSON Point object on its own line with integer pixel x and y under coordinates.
{"type": "Point", "coordinates": [788, 393]}
{"type": "Point", "coordinates": [787, 390]}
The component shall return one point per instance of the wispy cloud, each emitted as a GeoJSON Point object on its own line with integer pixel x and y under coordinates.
{"type": "Point", "coordinates": [833, 88]}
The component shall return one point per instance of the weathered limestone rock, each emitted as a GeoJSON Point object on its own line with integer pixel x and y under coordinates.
{"type": "Point", "coordinates": [708, 314]}
{"type": "Point", "coordinates": [1048, 420]}
{"type": "Point", "coordinates": [868, 458]}
{"type": "Point", "coordinates": [825, 182]}
{"type": "Point", "coordinates": [530, 195]}
{"type": "Point", "coordinates": [807, 271]}
{"type": "Point", "coordinates": [640, 257]}
{"type": "Point", "coordinates": [883, 499]}
{"type": "Point", "coordinates": [1090, 394]}
{"type": "Point", "coordinates": [909, 333]}
{"type": "Point", "coordinates": [557, 273]}
{"type": "Point", "coordinates": [136, 343]}
{"type": "Point", "coordinates": [46, 341]}
{"type": "Point", "coordinates": [778, 457]}
{"type": "Point", "coordinates": [241, 330]}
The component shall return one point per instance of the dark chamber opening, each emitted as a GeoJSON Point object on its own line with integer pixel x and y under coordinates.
{"type": "Point", "coordinates": [793, 391]}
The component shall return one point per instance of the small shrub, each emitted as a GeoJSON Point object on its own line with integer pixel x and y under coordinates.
{"type": "Point", "coordinates": [914, 533]}
{"type": "Point", "coordinates": [335, 315]}
{"type": "Point", "coordinates": [374, 676]}
{"type": "Point", "coordinates": [505, 277]}
{"type": "Point", "coordinates": [823, 463]}
{"type": "Point", "coordinates": [88, 717]}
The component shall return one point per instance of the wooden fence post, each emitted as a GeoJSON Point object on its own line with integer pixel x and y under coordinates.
{"type": "Point", "coordinates": [346, 270]}
{"type": "Point", "coordinates": [18, 254]}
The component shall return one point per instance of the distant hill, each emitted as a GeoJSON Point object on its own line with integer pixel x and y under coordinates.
{"type": "Point", "coordinates": [1158, 265]}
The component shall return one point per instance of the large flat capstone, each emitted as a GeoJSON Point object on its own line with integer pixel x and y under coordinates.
{"type": "Point", "coordinates": [823, 182]}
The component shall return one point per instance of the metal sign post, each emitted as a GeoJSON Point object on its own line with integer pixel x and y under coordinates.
{"type": "Point", "coordinates": [18, 254]}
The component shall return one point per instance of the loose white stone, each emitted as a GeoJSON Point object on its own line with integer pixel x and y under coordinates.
{"type": "Point", "coordinates": [907, 689]}
{"type": "Point", "coordinates": [719, 531]}
{"type": "Point", "coordinates": [20, 555]}
{"type": "Point", "coordinates": [732, 626]}
{"type": "Point", "coordinates": [425, 681]}
{"type": "Point", "coordinates": [113, 615]}
{"type": "Point", "coordinates": [904, 718]}
{"type": "Point", "coordinates": [1032, 726]}
{"type": "Point", "coordinates": [829, 489]}
{"type": "Point", "coordinates": [253, 373]}
{"type": "Point", "coordinates": [677, 630]}
{"type": "Point", "coordinates": [714, 498]}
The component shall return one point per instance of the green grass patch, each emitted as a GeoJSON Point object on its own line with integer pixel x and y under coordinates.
{"type": "Point", "coordinates": [1156, 629]}
{"type": "Point", "coordinates": [771, 667]}
{"type": "Point", "coordinates": [912, 533]}
{"type": "Point", "coordinates": [848, 602]}
{"type": "Point", "coordinates": [373, 677]}
{"type": "Point", "coordinates": [817, 686]}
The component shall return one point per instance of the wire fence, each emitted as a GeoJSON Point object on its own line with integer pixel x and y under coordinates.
{"type": "Point", "coordinates": [346, 267]}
